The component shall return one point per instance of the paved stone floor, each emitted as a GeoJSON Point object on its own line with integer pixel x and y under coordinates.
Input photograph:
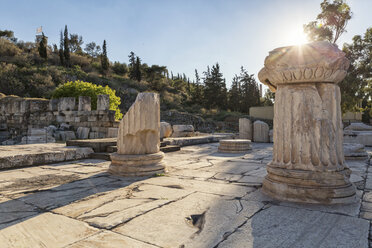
{"type": "Point", "coordinates": [208, 199]}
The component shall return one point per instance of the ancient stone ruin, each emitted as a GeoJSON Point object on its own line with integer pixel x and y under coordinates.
{"type": "Point", "coordinates": [234, 146]}
{"type": "Point", "coordinates": [308, 160]}
{"type": "Point", "coordinates": [138, 146]}
{"type": "Point", "coordinates": [33, 120]}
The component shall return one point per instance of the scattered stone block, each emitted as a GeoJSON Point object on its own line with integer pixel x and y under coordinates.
{"type": "Point", "coordinates": [112, 132]}
{"type": "Point", "coordinates": [66, 135]}
{"type": "Point", "coordinates": [245, 128]}
{"type": "Point", "coordinates": [66, 104]}
{"type": "Point", "coordinates": [83, 132]}
{"type": "Point", "coordinates": [84, 103]}
{"type": "Point", "coordinates": [357, 126]}
{"type": "Point", "coordinates": [53, 105]}
{"type": "Point", "coordinates": [103, 102]}
{"type": "Point", "coordinates": [165, 129]}
{"type": "Point", "coordinates": [354, 151]}
{"type": "Point", "coordinates": [183, 131]}
{"type": "Point", "coordinates": [271, 135]}
{"type": "Point", "coordinates": [260, 132]}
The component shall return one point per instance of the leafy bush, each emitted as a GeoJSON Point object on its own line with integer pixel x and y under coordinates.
{"type": "Point", "coordinates": [7, 48]}
{"type": "Point", "coordinates": [80, 88]}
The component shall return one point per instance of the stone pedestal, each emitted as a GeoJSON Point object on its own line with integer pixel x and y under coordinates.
{"type": "Point", "coordinates": [308, 161]}
{"type": "Point", "coordinates": [138, 139]}
{"type": "Point", "coordinates": [234, 146]}
{"type": "Point", "coordinates": [137, 165]}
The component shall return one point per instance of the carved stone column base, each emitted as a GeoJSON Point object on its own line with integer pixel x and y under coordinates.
{"type": "Point", "coordinates": [234, 146]}
{"type": "Point", "coordinates": [327, 187]}
{"type": "Point", "coordinates": [137, 165]}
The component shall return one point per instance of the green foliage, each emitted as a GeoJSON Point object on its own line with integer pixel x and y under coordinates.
{"type": "Point", "coordinates": [66, 48]}
{"type": "Point", "coordinates": [43, 47]}
{"type": "Point", "coordinates": [215, 92]}
{"type": "Point", "coordinates": [119, 68]}
{"type": "Point", "coordinates": [356, 88]}
{"type": "Point", "coordinates": [331, 23]}
{"type": "Point", "coordinates": [80, 88]}
{"type": "Point", "coordinates": [7, 48]}
{"type": "Point", "coordinates": [104, 60]}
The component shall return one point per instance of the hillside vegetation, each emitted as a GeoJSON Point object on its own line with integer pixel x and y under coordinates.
{"type": "Point", "coordinates": [36, 69]}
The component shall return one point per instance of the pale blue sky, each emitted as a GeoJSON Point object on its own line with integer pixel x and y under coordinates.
{"type": "Point", "coordinates": [180, 34]}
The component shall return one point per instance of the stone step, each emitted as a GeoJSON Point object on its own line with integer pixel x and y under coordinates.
{"type": "Point", "coordinates": [101, 155]}
{"type": "Point", "coordinates": [164, 149]}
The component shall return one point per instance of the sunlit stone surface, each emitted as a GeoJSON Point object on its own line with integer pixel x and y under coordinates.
{"type": "Point", "coordinates": [308, 161]}
{"type": "Point", "coordinates": [138, 139]}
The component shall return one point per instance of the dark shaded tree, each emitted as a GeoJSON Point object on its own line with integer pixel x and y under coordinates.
{"type": "Point", "coordinates": [66, 48]}
{"type": "Point", "coordinates": [76, 42]}
{"type": "Point", "coordinates": [104, 59]}
{"type": "Point", "coordinates": [43, 47]}
{"type": "Point", "coordinates": [61, 51]}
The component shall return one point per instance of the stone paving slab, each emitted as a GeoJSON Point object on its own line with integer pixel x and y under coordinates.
{"type": "Point", "coordinates": [107, 239]}
{"type": "Point", "coordinates": [292, 227]}
{"type": "Point", "coordinates": [16, 156]}
{"type": "Point", "coordinates": [45, 230]}
{"type": "Point", "coordinates": [208, 199]}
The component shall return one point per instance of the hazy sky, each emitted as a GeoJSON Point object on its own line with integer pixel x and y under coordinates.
{"type": "Point", "coordinates": [182, 34]}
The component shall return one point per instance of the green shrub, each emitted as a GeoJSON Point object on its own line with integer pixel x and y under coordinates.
{"type": "Point", "coordinates": [80, 88]}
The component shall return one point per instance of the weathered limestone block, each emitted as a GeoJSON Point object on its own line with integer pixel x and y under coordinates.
{"type": "Point", "coordinates": [245, 128]}
{"type": "Point", "coordinates": [65, 135]}
{"type": "Point", "coordinates": [234, 146]}
{"type": "Point", "coordinates": [358, 127]}
{"type": "Point", "coordinates": [165, 129]}
{"type": "Point", "coordinates": [358, 137]}
{"type": "Point", "coordinates": [66, 104]}
{"type": "Point", "coordinates": [83, 132]}
{"type": "Point", "coordinates": [112, 132]}
{"type": "Point", "coordinates": [354, 151]}
{"type": "Point", "coordinates": [183, 131]}
{"type": "Point", "coordinates": [84, 103]}
{"type": "Point", "coordinates": [271, 135]}
{"type": "Point", "coordinates": [138, 139]}
{"type": "Point", "coordinates": [103, 102]}
{"type": "Point", "coordinates": [308, 160]}
{"type": "Point", "coordinates": [53, 105]}
{"type": "Point", "coordinates": [261, 132]}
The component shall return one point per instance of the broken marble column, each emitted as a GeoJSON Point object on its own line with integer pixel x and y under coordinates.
{"type": "Point", "coordinates": [245, 128]}
{"type": "Point", "coordinates": [138, 139]}
{"type": "Point", "coordinates": [308, 161]}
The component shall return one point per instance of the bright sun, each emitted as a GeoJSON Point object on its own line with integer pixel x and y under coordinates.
{"type": "Point", "coordinates": [297, 37]}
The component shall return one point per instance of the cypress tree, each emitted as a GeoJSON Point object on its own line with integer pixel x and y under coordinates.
{"type": "Point", "coordinates": [43, 47]}
{"type": "Point", "coordinates": [137, 70]}
{"type": "Point", "coordinates": [66, 51]}
{"type": "Point", "coordinates": [104, 59]}
{"type": "Point", "coordinates": [132, 64]}
{"type": "Point", "coordinates": [61, 52]}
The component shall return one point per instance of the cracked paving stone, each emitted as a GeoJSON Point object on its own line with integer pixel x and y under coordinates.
{"type": "Point", "coordinates": [12, 211]}
{"type": "Point", "coordinates": [114, 208]}
{"type": "Point", "coordinates": [74, 191]}
{"type": "Point", "coordinates": [227, 177]}
{"type": "Point", "coordinates": [45, 230]}
{"type": "Point", "coordinates": [251, 180]}
{"type": "Point", "coordinates": [107, 239]}
{"type": "Point", "coordinates": [234, 167]}
{"type": "Point", "coordinates": [198, 220]}
{"type": "Point", "coordinates": [193, 173]}
{"type": "Point", "coordinates": [202, 186]}
{"type": "Point", "coordinates": [291, 227]}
